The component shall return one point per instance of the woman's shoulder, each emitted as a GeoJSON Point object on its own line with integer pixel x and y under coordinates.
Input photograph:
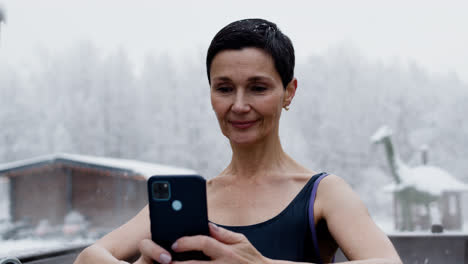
{"type": "Point", "coordinates": [331, 179]}
{"type": "Point", "coordinates": [332, 185]}
{"type": "Point", "coordinates": [333, 193]}
{"type": "Point", "coordinates": [327, 183]}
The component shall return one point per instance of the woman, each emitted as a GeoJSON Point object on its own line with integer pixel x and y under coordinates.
{"type": "Point", "coordinates": [267, 207]}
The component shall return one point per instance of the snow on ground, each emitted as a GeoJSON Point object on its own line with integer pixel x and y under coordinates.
{"type": "Point", "coordinates": [36, 246]}
{"type": "Point", "coordinates": [385, 224]}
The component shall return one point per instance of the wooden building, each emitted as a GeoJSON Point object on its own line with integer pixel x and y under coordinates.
{"type": "Point", "coordinates": [107, 191]}
{"type": "Point", "coordinates": [428, 196]}
{"type": "Point", "coordinates": [424, 197]}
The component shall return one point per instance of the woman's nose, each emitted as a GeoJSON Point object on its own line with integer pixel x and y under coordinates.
{"type": "Point", "coordinates": [240, 104]}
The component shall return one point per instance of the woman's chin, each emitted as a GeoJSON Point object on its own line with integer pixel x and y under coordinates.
{"type": "Point", "coordinates": [243, 141]}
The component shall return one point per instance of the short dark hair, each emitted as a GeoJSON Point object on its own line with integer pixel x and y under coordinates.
{"type": "Point", "coordinates": [258, 33]}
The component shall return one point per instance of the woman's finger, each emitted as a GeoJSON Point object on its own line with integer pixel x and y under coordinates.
{"type": "Point", "coordinates": [151, 251]}
{"type": "Point", "coordinates": [206, 244]}
{"type": "Point", "coordinates": [224, 235]}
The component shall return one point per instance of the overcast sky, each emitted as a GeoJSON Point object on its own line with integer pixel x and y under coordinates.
{"type": "Point", "coordinates": [432, 33]}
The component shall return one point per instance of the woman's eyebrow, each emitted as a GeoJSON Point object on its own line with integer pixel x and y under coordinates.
{"type": "Point", "coordinates": [259, 78]}
{"type": "Point", "coordinates": [250, 79]}
{"type": "Point", "coordinates": [221, 79]}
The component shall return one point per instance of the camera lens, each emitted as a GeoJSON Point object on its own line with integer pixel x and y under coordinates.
{"type": "Point", "coordinates": [161, 190]}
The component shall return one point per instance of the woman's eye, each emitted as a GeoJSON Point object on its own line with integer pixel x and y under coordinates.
{"type": "Point", "coordinates": [258, 88]}
{"type": "Point", "coordinates": [224, 89]}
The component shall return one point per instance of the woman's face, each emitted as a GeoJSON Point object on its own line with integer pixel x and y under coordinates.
{"type": "Point", "coordinates": [247, 94]}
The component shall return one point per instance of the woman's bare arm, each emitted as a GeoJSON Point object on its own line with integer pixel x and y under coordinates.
{"type": "Point", "coordinates": [350, 224]}
{"type": "Point", "coordinates": [120, 244]}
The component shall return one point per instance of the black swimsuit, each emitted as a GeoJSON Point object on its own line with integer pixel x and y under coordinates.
{"type": "Point", "coordinates": [290, 235]}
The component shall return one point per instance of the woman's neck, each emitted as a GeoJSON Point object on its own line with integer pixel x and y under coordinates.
{"type": "Point", "coordinates": [258, 160]}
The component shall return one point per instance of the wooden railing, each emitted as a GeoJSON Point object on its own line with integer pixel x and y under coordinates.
{"type": "Point", "coordinates": [413, 249]}
{"type": "Point", "coordinates": [428, 248]}
{"type": "Point", "coordinates": [57, 256]}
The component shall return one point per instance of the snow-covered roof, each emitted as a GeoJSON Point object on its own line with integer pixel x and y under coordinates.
{"type": "Point", "coordinates": [382, 132]}
{"type": "Point", "coordinates": [146, 169]}
{"type": "Point", "coordinates": [429, 179]}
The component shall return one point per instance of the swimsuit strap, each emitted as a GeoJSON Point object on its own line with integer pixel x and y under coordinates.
{"type": "Point", "coordinates": [311, 216]}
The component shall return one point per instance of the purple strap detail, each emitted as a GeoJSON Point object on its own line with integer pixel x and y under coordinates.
{"type": "Point", "coordinates": [311, 215]}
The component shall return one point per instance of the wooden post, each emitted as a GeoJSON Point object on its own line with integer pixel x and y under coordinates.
{"type": "Point", "coordinates": [12, 186]}
{"type": "Point", "coordinates": [69, 183]}
{"type": "Point", "coordinates": [396, 214]}
{"type": "Point", "coordinates": [2, 20]}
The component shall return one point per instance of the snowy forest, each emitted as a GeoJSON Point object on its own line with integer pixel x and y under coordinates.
{"type": "Point", "coordinates": [81, 101]}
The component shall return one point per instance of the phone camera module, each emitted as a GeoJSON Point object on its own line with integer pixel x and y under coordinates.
{"type": "Point", "coordinates": [161, 191]}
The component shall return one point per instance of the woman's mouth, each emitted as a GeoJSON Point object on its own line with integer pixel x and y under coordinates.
{"type": "Point", "coordinates": [242, 124]}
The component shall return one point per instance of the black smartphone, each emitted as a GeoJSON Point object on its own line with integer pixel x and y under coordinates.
{"type": "Point", "coordinates": [177, 208]}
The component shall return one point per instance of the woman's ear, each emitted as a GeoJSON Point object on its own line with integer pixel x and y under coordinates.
{"type": "Point", "coordinates": [290, 92]}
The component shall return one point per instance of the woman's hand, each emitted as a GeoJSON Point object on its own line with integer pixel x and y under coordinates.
{"type": "Point", "coordinates": [223, 246]}
{"type": "Point", "coordinates": [150, 251]}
